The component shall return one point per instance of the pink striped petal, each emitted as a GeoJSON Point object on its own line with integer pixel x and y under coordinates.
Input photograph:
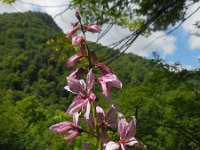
{"type": "Point", "coordinates": [77, 73]}
{"type": "Point", "coordinates": [93, 28]}
{"type": "Point", "coordinates": [76, 105]}
{"type": "Point", "coordinates": [75, 86]}
{"type": "Point", "coordinates": [131, 129]}
{"type": "Point", "coordinates": [112, 146]}
{"type": "Point", "coordinates": [100, 114]}
{"type": "Point", "coordinates": [112, 80]}
{"type": "Point", "coordinates": [72, 31]}
{"type": "Point", "coordinates": [77, 40]}
{"type": "Point", "coordinates": [75, 118]}
{"type": "Point", "coordinates": [132, 141]}
{"type": "Point", "coordinates": [71, 136]}
{"type": "Point", "coordinates": [123, 147]}
{"type": "Point", "coordinates": [87, 113]}
{"type": "Point", "coordinates": [73, 59]}
{"type": "Point", "coordinates": [62, 127]}
{"type": "Point", "coordinates": [111, 116]}
{"type": "Point", "coordinates": [105, 70]}
{"type": "Point", "coordinates": [90, 80]}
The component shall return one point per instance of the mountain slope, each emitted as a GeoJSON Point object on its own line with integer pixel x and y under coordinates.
{"type": "Point", "coordinates": [33, 53]}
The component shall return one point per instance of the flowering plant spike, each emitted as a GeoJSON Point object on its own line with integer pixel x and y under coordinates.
{"type": "Point", "coordinates": [85, 104]}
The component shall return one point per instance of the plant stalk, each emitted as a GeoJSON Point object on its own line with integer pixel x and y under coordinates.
{"type": "Point", "coordinates": [93, 104]}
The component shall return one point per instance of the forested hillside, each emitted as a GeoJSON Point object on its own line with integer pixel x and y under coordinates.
{"type": "Point", "coordinates": [33, 54]}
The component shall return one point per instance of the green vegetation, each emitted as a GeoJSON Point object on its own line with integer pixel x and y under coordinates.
{"type": "Point", "coordinates": [33, 54]}
{"type": "Point", "coordinates": [138, 15]}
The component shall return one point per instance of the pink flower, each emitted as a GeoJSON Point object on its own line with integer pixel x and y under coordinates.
{"type": "Point", "coordinates": [126, 132]}
{"type": "Point", "coordinates": [73, 30]}
{"type": "Point", "coordinates": [106, 119]}
{"type": "Point", "coordinates": [109, 118]}
{"type": "Point", "coordinates": [77, 73]}
{"type": "Point", "coordinates": [84, 93]}
{"type": "Point", "coordinates": [69, 128]}
{"type": "Point", "coordinates": [73, 59]}
{"type": "Point", "coordinates": [77, 40]}
{"type": "Point", "coordinates": [107, 81]}
{"type": "Point", "coordinates": [92, 28]}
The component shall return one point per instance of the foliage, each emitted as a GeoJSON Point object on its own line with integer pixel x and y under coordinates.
{"type": "Point", "coordinates": [135, 14]}
{"type": "Point", "coordinates": [8, 1]}
{"type": "Point", "coordinates": [33, 53]}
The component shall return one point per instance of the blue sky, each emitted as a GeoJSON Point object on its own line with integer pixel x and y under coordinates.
{"type": "Point", "coordinates": [179, 46]}
{"type": "Point", "coordinates": [184, 53]}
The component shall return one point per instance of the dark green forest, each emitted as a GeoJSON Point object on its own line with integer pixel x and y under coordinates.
{"type": "Point", "coordinates": [33, 54]}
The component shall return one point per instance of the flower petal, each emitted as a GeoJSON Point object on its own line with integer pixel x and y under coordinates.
{"type": "Point", "coordinates": [75, 86]}
{"type": "Point", "coordinates": [100, 114]}
{"type": "Point", "coordinates": [112, 146]}
{"type": "Point", "coordinates": [73, 59]}
{"type": "Point", "coordinates": [131, 129]}
{"type": "Point", "coordinates": [76, 74]}
{"type": "Point", "coordinates": [76, 105]}
{"type": "Point", "coordinates": [87, 113]}
{"type": "Point", "coordinates": [107, 81]}
{"type": "Point", "coordinates": [123, 146]}
{"type": "Point", "coordinates": [90, 80]}
{"type": "Point", "coordinates": [111, 116]}
{"type": "Point", "coordinates": [92, 96]}
{"type": "Point", "coordinates": [71, 136]}
{"type": "Point", "coordinates": [75, 118]}
{"type": "Point", "coordinates": [106, 90]}
{"type": "Point", "coordinates": [132, 141]}
{"type": "Point", "coordinates": [122, 125]}
{"type": "Point", "coordinates": [93, 28]}
{"type": "Point", "coordinates": [61, 127]}
{"type": "Point", "coordinates": [77, 40]}
{"type": "Point", "coordinates": [105, 70]}
{"type": "Point", "coordinates": [72, 31]}
{"type": "Point", "coordinates": [112, 80]}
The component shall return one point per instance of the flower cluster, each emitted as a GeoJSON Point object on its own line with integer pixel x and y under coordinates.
{"type": "Point", "coordinates": [85, 99]}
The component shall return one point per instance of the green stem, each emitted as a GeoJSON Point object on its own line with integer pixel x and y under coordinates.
{"type": "Point", "coordinates": [86, 45]}
{"type": "Point", "coordinates": [97, 128]}
{"type": "Point", "coordinates": [93, 104]}
{"type": "Point", "coordinates": [100, 141]}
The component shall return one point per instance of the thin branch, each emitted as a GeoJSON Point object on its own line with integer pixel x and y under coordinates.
{"type": "Point", "coordinates": [69, 6]}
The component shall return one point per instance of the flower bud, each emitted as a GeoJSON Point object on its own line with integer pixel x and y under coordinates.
{"type": "Point", "coordinates": [78, 16]}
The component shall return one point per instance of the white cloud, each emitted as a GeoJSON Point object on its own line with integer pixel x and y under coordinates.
{"type": "Point", "coordinates": [158, 42]}
{"type": "Point", "coordinates": [165, 45]}
{"type": "Point", "coordinates": [194, 42]}
{"type": "Point", "coordinates": [189, 27]}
